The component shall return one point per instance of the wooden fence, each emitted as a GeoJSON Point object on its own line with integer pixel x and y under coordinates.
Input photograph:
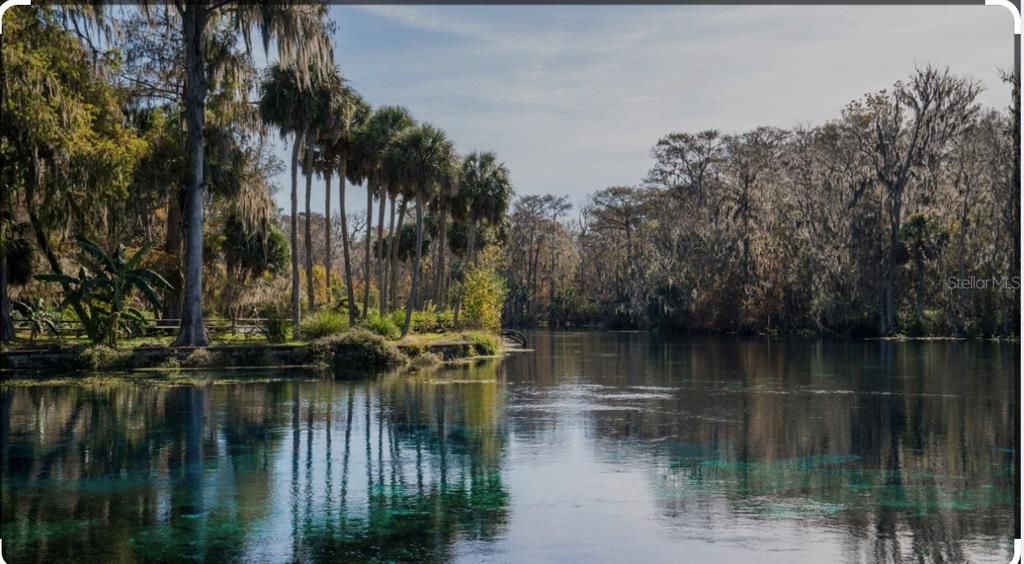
{"type": "Point", "coordinates": [245, 326]}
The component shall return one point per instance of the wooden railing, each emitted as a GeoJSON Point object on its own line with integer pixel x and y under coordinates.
{"type": "Point", "coordinates": [246, 326]}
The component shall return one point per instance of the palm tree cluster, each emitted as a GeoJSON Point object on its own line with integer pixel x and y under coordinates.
{"type": "Point", "coordinates": [335, 132]}
{"type": "Point", "coordinates": [119, 123]}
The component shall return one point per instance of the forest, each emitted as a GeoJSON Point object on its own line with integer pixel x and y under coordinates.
{"type": "Point", "coordinates": [899, 217]}
{"type": "Point", "coordinates": [138, 187]}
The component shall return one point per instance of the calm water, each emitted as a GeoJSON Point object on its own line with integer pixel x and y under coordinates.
{"type": "Point", "coordinates": [595, 447]}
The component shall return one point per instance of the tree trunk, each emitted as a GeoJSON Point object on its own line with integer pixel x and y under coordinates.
{"type": "Point", "coordinates": [192, 331]}
{"type": "Point", "coordinates": [6, 326]}
{"type": "Point", "coordinates": [327, 232]}
{"type": "Point", "coordinates": [310, 293]}
{"type": "Point", "coordinates": [471, 242]}
{"type": "Point", "coordinates": [370, 185]}
{"type": "Point", "coordinates": [294, 236]}
{"type": "Point", "coordinates": [345, 255]}
{"type": "Point", "coordinates": [895, 209]}
{"type": "Point", "coordinates": [392, 240]}
{"type": "Point", "coordinates": [439, 294]}
{"type": "Point", "coordinates": [393, 286]}
{"type": "Point", "coordinates": [381, 283]}
{"type": "Point", "coordinates": [172, 246]}
{"type": "Point", "coordinates": [416, 264]}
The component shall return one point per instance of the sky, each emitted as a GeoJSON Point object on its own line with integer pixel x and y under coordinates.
{"type": "Point", "coordinates": [572, 98]}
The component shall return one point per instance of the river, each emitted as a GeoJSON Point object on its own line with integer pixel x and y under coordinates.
{"type": "Point", "coordinates": [591, 447]}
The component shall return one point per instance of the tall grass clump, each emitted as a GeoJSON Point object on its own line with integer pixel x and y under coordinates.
{"type": "Point", "coordinates": [322, 323]}
{"type": "Point", "coordinates": [358, 349]}
{"type": "Point", "coordinates": [275, 325]}
{"type": "Point", "coordinates": [384, 326]}
{"type": "Point", "coordinates": [484, 344]}
{"type": "Point", "coordinates": [101, 357]}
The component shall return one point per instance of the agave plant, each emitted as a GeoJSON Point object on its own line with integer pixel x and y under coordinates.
{"type": "Point", "coordinates": [104, 301]}
{"type": "Point", "coordinates": [39, 318]}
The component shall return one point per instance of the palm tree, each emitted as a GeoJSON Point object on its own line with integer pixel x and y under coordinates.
{"type": "Point", "coordinates": [425, 160]}
{"type": "Point", "coordinates": [444, 197]}
{"type": "Point", "coordinates": [485, 193]}
{"type": "Point", "coordinates": [302, 41]}
{"type": "Point", "coordinates": [353, 113]}
{"type": "Point", "coordinates": [322, 126]}
{"type": "Point", "coordinates": [289, 104]}
{"type": "Point", "coordinates": [372, 143]}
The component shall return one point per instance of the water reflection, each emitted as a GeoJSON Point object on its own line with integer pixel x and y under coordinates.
{"type": "Point", "coordinates": [600, 447]}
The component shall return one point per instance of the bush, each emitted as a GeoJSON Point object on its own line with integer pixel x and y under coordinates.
{"type": "Point", "coordinates": [358, 349]}
{"type": "Point", "coordinates": [483, 299]}
{"type": "Point", "coordinates": [430, 320]}
{"type": "Point", "coordinates": [322, 323]}
{"type": "Point", "coordinates": [483, 344]}
{"type": "Point", "coordinates": [275, 327]}
{"type": "Point", "coordinates": [101, 357]}
{"type": "Point", "coordinates": [200, 358]}
{"type": "Point", "coordinates": [425, 360]}
{"type": "Point", "coordinates": [383, 326]}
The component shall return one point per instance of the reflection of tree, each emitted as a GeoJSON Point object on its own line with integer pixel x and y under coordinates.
{"type": "Point", "coordinates": [432, 454]}
{"type": "Point", "coordinates": [100, 472]}
{"type": "Point", "coordinates": [210, 472]}
{"type": "Point", "coordinates": [908, 447]}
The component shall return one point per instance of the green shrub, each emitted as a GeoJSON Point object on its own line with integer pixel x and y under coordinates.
{"type": "Point", "coordinates": [397, 317]}
{"type": "Point", "coordinates": [200, 358]}
{"type": "Point", "coordinates": [358, 349]}
{"type": "Point", "coordinates": [483, 344]}
{"type": "Point", "coordinates": [383, 326]}
{"type": "Point", "coordinates": [430, 320]}
{"type": "Point", "coordinates": [100, 357]}
{"type": "Point", "coordinates": [483, 299]}
{"type": "Point", "coordinates": [322, 323]}
{"type": "Point", "coordinates": [425, 360]}
{"type": "Point", "coordinates": [275, 327]}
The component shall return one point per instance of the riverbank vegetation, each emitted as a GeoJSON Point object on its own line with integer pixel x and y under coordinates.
{"type": "Point", "coordinates": [138, 194]}
{"type": "Point", "coordinates": [137, 204]}
{"type": "Point", "coordinates": [900, 216]}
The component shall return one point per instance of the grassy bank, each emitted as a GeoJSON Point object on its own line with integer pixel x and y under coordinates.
{"type": "Point", "coordinates": [355, 349]}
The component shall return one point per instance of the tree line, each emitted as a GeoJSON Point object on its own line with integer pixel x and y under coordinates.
{"type": "Point", "coordinates": [125, 126]}
{"type": "Point", "coordinates": [900, 216]}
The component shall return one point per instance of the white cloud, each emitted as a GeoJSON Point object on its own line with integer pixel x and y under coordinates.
{"type": "Point", "coordinates": [573, 97]}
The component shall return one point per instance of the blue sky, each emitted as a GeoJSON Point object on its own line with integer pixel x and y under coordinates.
{"type": "Point", "coordinates": [572, 98]}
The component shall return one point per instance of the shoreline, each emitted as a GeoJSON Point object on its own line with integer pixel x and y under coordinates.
{"type": "Point", "coordinates": [357, 352]}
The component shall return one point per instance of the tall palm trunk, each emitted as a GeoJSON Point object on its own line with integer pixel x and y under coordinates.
{"type": "Point", "coordinates": [471, 242]}
{"type": "Point", "coordinates": [393, 286]}
{"type": "Point", "coordinates": [192, 331]}
{"type": "Point", "coordinates": [387, 263]}
{"type": "Point", "coordinates": [294, 235]}
{"type": "Point", "coordinates": [416, 264]}
{"type": "Point", "coordinates": [310, 295]}
{"type": "Point", "coordinates": [442, 236]}
{"type": "Point", "coordinates": [369, 235]}
{"type": "Point", "coordinates": [6, 326]}
{"type": "Point", "coordinates": [381, 283]}
{"type": "Point", "coordinates": [345, 255]}
{"type": "Point", "coordinates": [327, 231]}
